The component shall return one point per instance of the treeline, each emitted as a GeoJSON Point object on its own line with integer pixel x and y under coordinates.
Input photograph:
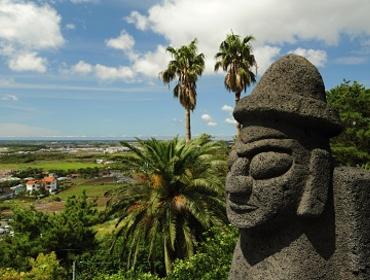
{"type": "Point", "coordinates": [38, 173]}
{"type": "Point", "coordinates": [54, 242]}
{"type": "Point", "coordinates": [352, 146]}
{"type": "Point", "coordinates": [47, 156]}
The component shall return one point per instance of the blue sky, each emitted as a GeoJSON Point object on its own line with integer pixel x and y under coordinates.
{"type": "Point", "coordinates": [90, 67]}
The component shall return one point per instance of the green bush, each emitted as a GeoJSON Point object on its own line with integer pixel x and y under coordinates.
{"type": "Point", "coordinates": [213, 260]}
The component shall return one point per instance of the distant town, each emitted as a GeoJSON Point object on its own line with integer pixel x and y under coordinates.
{"type": "Point", "coordinates": [43, 174]}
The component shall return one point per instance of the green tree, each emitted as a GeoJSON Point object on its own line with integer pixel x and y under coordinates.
{"type": "Point", "coordinates": [352, 101]}
{"type": "Point", "coordinates": [176, 195]}
{"type": "Point", "coordinates": [236, 59]}
{"type": "Point", "coordinates": [68, 233]}
{"type": "Point", "coordinates": [187, 65]}
{"type": "Point", "coordinates": [46, 267]}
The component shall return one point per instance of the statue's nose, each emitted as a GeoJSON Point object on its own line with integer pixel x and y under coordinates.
{"type": "Point", "coordinates": [238, 184]}
{"type": "Point", "coordinates": [237, 180]}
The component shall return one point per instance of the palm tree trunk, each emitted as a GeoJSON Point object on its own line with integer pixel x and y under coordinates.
{"type": "Point", "coordinates": [187, 125]}
{"type": "Point", "coordinates": [238, 125]}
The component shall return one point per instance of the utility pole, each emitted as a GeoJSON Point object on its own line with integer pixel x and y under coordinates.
{"type": "Point", "coordinates": [74, 270]}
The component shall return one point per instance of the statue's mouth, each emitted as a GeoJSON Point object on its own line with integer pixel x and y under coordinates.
{"type": "Point", "coordinates": [238, 205]}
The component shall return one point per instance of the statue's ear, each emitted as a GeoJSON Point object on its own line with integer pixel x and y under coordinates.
{"type": "Point", "coordinates": [315, 193]}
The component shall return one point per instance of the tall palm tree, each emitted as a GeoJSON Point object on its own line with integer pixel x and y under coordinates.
{"type": "Point", "coordinates": [187, 65]}
{"type": "Point", "coordinates": [175, 195]}
{"type": "Point", "coordinates": [236, 58]}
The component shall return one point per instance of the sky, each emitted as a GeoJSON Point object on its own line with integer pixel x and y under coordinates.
{"type": "Point", "coordinates": [90, 68]}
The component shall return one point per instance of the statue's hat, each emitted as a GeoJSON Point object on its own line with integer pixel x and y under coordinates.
{"type": "Point", "coordinates": [291, 89]}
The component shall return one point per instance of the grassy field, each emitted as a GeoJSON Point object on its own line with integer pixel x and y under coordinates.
{"type": "Point", "coordinates": [48, 165]}
{"type": "Point", "coordinates": [105, 228]}
{"type": "Point", "coordinates": [93, 190]}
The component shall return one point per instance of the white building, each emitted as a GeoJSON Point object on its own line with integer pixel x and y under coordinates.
{"type": "Point", "coordinates": [49, 184]}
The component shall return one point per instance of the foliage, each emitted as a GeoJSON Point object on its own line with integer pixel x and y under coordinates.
{"type": "Point", "coordinates": [213, 259]}
{"type": "Point", "coordinates": [44, 267]}
{"type": "Point", "coordinates": [187, 65]}
{"type": "Point", "coordinates": [130, 275]}
{"type": "Point", "coordinates": [352, 101]}
{"type": "Point", "coordinates": [29, 172]}
{"type": "Point", "coordinates": [68, 234]}
{"type": "Point", "coordinates": [176, 195]}
{"type": "Point", "coordinates": [11, 274]}
{"type": "Point", "coordinates": [236, 58]}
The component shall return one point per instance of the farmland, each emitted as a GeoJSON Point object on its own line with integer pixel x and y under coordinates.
{"type": "Point", "coordinates": [49, 165]}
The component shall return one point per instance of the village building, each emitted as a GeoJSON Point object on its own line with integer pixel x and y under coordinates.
{"type": "Point", "coordinates": [49, 184]}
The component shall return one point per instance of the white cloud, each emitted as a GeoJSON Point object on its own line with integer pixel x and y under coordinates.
{"type": "Point", "coordinates": [265, 55]}
{"type": "Point", "coordinates": [124, 42]}
{"type": "Point", "coordinates": [82, 68]}
{"type": "Point", "coordinates": [151, 63]}
{"type": "Point", "coordinates": [227, 108]}
{"type": "Point", "coordinates": [27, 62]}
{"type": "Point", "coordinates": [70, 26]}
{"type": "Point", "coordinates": [231, 120]}
{"type": "Point", "coordinates": [26, 29]}
{"type": "Point", "coordinates": [316, 57]}
{"type": "Point", "coordinates": [208, 120]}
{"type": "Point", "coordinates": [113, 73]}
{"type": "Point", "coordinates": [102, 72]}
{"type": "Point", "coordinates": [30, 25]}
{"type": "Point", "coordinates": [140, 21]}
{"type": "Point", "coordinates": [296, 20]}
{"type": "Point", "coordinates": [9, 97]}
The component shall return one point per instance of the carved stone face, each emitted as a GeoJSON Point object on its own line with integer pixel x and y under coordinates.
{"type": "Point", "coordinates": [266, 180]}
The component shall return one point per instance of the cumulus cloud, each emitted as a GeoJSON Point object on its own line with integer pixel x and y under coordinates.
{"type": "Point", "coordinates": [265, 55]}
{"type": "Point", "coordinates": [124, 42]}
{"type": "Point", "coordinates": [140, 21]}
{"type": "Point", "coordinates": [208, 120]}
{"type": "Point", "coordinates": [103, 72]}
{"type": "Point", "coordinates": [227, 108]}
{"type": "Point", "coordinates": [297, 20]}
{"type": "Point", "coordinates": [113, 73]}
{"type": "Point", "coordinates": [82, 67]}
{"type": "Point", "coordinates": [316, 57]}
{"type": "Point", "coordinates": [151, 63]}
{"type": "Point", "coordinates": [231, 120]}
{"type": "Point", "coordinates": [27, 62]}
{"type": "Point", "coordinates": [30, 25]}
{"type": "Point", "coordinates": [26, 29]}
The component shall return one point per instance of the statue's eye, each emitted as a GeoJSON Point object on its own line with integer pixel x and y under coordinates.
{"type": "Point", "coordinates": [267, 165]}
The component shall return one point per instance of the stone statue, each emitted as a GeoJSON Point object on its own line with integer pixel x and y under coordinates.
{"type": "Point", "coordinates": [299, 218]}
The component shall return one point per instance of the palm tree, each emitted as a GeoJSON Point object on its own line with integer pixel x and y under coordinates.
{"type": "Point", "coordinates": [187, 65]}
{"type": "Point", "coordinates": [175, 195]}
{"type": "Point", "coordinates": [236, 58]}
